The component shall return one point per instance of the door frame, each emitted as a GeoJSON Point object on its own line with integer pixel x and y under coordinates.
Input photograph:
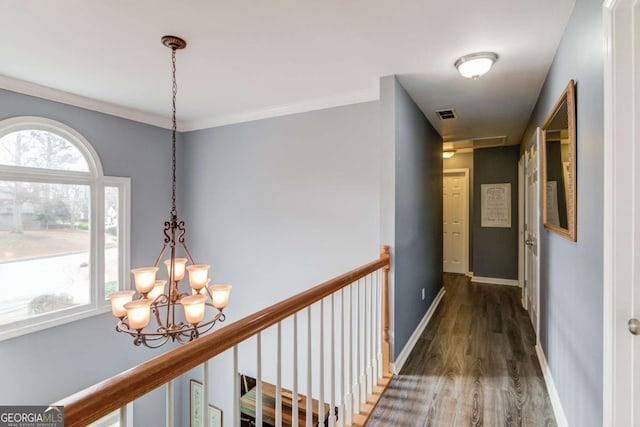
{"type": "Point", "coordinates": [536, 140]}
{"type": "Point", "coordinates": [620, 172]}
{"type": "Point", "coordinates": [467, 241]}
{"type": "Point", "coordinates": [521, 237]}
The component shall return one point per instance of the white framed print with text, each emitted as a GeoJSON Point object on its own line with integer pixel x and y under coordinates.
{"type": "Point", "coordinates": [495, 205]}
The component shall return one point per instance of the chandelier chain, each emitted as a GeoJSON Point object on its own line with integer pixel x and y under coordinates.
{"type": "Point", "coordinates": [174, 212]}
{"type": "Point", "coordinates": [154, 299]}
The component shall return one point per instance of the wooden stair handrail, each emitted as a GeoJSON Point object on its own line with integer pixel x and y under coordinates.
{"type": "Point", "coordinates": [95, 402]}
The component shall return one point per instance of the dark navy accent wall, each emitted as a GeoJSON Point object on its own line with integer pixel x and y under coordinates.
{"type": "Point", "coordinates": [495, 250]}
{"type": "Point", "coordinates": [418, 213]}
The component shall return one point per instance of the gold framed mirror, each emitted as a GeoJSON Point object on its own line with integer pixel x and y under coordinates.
{"type": "Point", "coordinates": [558, 153]}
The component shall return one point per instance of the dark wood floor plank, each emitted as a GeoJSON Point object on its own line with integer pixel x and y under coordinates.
{"type": "Point", "coordinates": [474, 365]}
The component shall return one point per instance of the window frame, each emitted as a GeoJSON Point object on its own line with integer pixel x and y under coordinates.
{"type": "Point", "coordinates": [97, 183]}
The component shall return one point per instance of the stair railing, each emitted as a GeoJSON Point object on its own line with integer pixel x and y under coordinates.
{"type": "Point", "coordinates": [358, 349]}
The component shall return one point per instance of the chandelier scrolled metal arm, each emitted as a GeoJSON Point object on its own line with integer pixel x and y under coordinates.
{"type": "Point", "coordinates": [135, 313]}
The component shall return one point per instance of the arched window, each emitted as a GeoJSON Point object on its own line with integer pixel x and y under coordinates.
{"type": "Point", "coordinates": [63, 227]}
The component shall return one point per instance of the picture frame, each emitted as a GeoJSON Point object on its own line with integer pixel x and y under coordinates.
{"type": "Point", "coordinates": [495, 205]}
{"type": "Point", "coordinates": [195, 408]}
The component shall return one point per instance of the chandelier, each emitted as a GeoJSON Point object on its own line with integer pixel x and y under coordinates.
{"type": "Point", "coordinates": [153, 298]}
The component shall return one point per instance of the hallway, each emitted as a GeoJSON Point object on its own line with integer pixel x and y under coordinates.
{"type": "Point", "coordinates": [475, 364]}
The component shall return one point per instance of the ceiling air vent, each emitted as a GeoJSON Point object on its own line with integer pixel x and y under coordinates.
{"type": "Point", "coordinates": [447, 114]}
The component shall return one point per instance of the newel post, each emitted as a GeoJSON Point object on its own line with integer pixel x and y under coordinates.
{"type": "Point", "coordinates": [385, 255]}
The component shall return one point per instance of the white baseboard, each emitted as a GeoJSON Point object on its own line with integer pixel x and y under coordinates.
{"type": "Point", "coordinates": [469, 274]}
{"type": "Point", "coordinates": [495, 281]}
{"type": "Point", "coordinates": [561, 418]}
{"type": "Point", "coordinates": [397, 364]}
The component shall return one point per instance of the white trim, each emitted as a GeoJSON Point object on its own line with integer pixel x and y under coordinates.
{"type": "Point", "coordinates": [123, 184]}
{"type": "Point", "coordinates": [57, 319]}
{"type": "Point", "coordinates": [39, 91]}
{"type": "Point", "coordinates": [397, 364]}
{"type": "Point", "coordinates": [495, 281]}
{"type": "Point", "coordinates": [534, 144]}
{"type": "Point", "coordinates": [621, 168]}
{"type": "Point", "coordinates": [469, 274]}
{"type": "Point", "coordinates": [32, 89]}
{"type": "Point", "coordinates": [18, 123]}
{"type": "Point", "coordinates": [521, 213]}
{"type": "Point", "coordinates": [561, 418]}
{"type": "Point", "coordinates": [371, 94]}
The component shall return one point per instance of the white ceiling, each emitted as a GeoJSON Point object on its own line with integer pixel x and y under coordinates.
{"type": "Point", "coordinates": [250, 59]}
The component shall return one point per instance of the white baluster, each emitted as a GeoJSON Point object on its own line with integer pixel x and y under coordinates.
{"type": "Point", "coordinates": [236, 389]}
{"type": "Point", "coordinates": [259, 380]}
{"type": "Point", "coordinates": [367, 340]}
{"type": "Point", "coordinates": [126, 415]}
{"type": "Point", "coordinates": [294, 400]}
{"type": "Point", "coordinates": [321, 374]}
{"type": "Point", "coordinates": [279, 377]}
{"type": "Point", "coordinates": [372, 357]}
{"type": "Point", "coordinates": [332, 365]}
{"type": "Point", "coordinates": [170, 419]}
{"type": "Point", "coordinates": [349, 376]}
{"type": "Point", "coordinates": [374, 329]}
{"type": "Point", "coordinates": [309, 419]}
{"type": "Point", "coordinates": [364, 378]}
{"type": "Point", "coordinates": [379, 327]}
{"type": "Point", "coordinates": [342, 376]}
{"type": "Point", "coordinates": [205, 393]}
{"type": "Point", "coordinates": [358, 394]}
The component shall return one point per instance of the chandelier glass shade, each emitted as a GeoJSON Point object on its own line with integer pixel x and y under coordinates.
{"type": "Point", "coordinates": [159, 301]}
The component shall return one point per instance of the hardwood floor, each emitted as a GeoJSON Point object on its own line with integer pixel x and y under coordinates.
{"type": "Point", "coordinates": [474, 365]}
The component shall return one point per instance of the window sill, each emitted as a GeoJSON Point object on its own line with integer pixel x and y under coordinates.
{"type": "Point", "coordinates": [55, 319]}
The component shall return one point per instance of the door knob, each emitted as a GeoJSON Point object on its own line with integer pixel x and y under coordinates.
{"type": "Point", "coordinates": [634, 326]}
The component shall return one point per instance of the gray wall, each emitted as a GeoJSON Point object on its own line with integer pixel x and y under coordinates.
{"type": "Point", "coordinates": [571, 272]}
{"type": "Point", "coordinates": [45, 366]}
{"type": "Point", "coordinates": [277, 206]}
{"type": "Point", "coordinates": [490, 259]}
{"type": "Point", "coordinates": [418, 210]}
{"type": "Point", "coordinates": [465, 161]}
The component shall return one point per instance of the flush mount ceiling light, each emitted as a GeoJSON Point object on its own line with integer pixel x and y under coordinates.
{"type": "Point", "coordinates": [475, 65]}
{"type": "Point", "coordinates": [447, 154]}
{"type": "Point", "coordinates": [154, 299]}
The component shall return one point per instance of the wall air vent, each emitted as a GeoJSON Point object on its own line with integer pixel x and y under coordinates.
{"type": "Point", "coordinates": [447, 114]}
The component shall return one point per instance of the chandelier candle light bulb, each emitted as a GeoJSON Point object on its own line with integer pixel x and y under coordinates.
{"type": "Point", "coordinates": [220, 295]}
{"type": "Point", "coordinates": [144, 278]}
{"type": "Point", "coordinates": [198, 275]}
{"type": "Point", "coordinates": [193, 308]}
{"type": "Point", "coordinates": [179, 266]}
{"type": "Point", "coordinates": [118, 301]}
{"type": "Point", "coordinates": [158, 289]}
{"type": "Point", "coordinates": [138, 313]}
{"type": "Point", "coordinates": [155, 298]}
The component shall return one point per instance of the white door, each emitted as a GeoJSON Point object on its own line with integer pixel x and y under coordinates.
{"type": "Point", "coordinates": [532, 230]}
{"type": "Point", "coordinates": [455, 220]}
{"type": "Point", "coordinates": [621, 343]}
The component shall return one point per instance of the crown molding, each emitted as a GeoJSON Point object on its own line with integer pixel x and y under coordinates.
{"type": "Point", "coordinates": [44, 92]}
{"type": "Point", "coordinates": [371, 94]}
{"type": "Point", "coordinates": [56, 95]}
